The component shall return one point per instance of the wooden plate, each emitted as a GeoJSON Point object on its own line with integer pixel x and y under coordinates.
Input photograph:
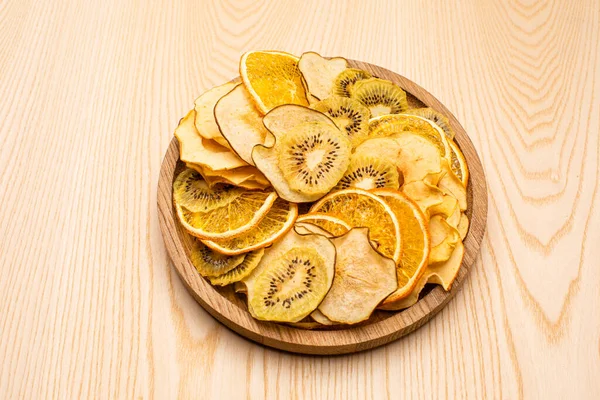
{"type": "Point", "coordinates": [383, 327]}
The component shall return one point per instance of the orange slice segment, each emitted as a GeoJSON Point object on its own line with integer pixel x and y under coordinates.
{"type": "Point", "coordinates": [359, 208]}
{"type": "Point", "coordinates": [415, 243]}
{"type": "Point", "coordinates": [458, 164]}
{"type": "Point", "coordinates": [275, 223]}
{"type": "Point", "coordinates": [272, 78]}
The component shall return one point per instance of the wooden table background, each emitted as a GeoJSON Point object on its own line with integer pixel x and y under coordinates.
{"type": "Point", "coordinates": [90, 306]}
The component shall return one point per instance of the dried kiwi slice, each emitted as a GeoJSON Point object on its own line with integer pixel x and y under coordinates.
{"type": "Point", "coordinates": [250, 261]}
{"type": "Point", "coordinates": [380, 96]}
{"type": "Point", "coordinates": [434, 116]}
{"type": "Point", "coordinates": [210, 263]}
{"type": "Point", "coordinates": [292, 278]}
{"type": "Point", "coordinates": [345, 81]}
{"type": "Point", "coordinates": [313, 157]}
{"type": "Point", "coordinates": [348, 114]}
{"type": "Point", "coordinates": [370, 172]}
{"type": "Point", "coordinates": [192, 192]}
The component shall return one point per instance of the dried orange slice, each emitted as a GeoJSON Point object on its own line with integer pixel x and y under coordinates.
{"type": "Point", "coordinates": [359, 208]}
{"type": "Point", "coordinates": [458, 163]}
{"type": "Point", "coordinates": [272, 78]}
{"type": "Point", "coordinates": [239, 213]}
{"type": "Point", "coordinates": [415, 243]}
{"type": "Point", "coordinates": [276, 223]}
{"type": "Point", "coordinates": [333, 225]}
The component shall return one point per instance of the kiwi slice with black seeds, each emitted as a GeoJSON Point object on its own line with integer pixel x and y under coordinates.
{"type": "Point", "coordinates": [435, 117]}
{"type": "Point", "coordinates": [345, 81]}
{"type": "Point", "coordinates": [210, 263]}
{"type": "Point", "coordinates": [238, 273]}
{"type": "Point", "coordinates": [313, 157]}
{"type": "Point", "coordinates": [348, 114]}
{"type": "Point", "coordinates": [370, 172]}
{"type": "Point", "coordinates": [381, 97]}
{"type": "Point", "coordinates": [192, 192]}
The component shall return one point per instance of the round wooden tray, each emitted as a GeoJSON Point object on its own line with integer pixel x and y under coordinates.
{"type": "Point", "coordinates": [383, 327]}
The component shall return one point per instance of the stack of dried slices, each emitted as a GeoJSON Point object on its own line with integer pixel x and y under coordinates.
{"type": "Point", "coordinates": [382, 188]}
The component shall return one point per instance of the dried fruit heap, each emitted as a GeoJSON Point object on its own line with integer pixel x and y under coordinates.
{"type": "Point", "coordinates": [386, 187]}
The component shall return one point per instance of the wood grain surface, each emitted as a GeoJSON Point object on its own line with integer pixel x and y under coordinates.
{"type": "Point", "coordinates": [91, 92]}
{"type": "Point", "coordinates": [383, 326]}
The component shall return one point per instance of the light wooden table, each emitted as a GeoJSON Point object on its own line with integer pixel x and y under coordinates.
{"type": "Point", "coordinates": [90, 306]}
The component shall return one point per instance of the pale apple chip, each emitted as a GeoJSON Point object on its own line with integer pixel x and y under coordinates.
{"type": "Point", "coordinates": [425, 195]}
{"type": "Point", "coordinates": [450, 184]}
{"type": "Point", "coordinates": [240, 122]}
{"type": "Point", "coordinates": [363, 279]}
{"type": "Point", "coordinates": [443, 239]}
{"type": "Point", "coordinates": [196, 150]}
{"type": "Point", "coordinates": [205, 112]}
{"type": "Point", "coordinates": [247, 177]}
{"type": "Point", "coordinates": [319, 73]}
{"type": "Point", "coordinates": [417, 157]}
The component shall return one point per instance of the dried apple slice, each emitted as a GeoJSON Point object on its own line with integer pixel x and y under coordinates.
{"type": "Point", "coordinates": [240, 122]}
{"type": "Point", "coordinates": [320, 73]}
{"type": "Point", "coordinates": [205, 117]}
{"type": "Point", "coordinates": [292, 278]}
{"type": "Point", "coordinates": [417, 157]}
{"type": "Point", "coordinates": [443, 239]}
{"type": "Point", "coordinates": [425, 195]}
{"type": "Point", "coordinates": [450, 184]}
{"type": "Point", "coordinates": [363, 278]}
{"type": "Point", "coordinates": [238, 177]}
{"type": "Point", "coordinates": [194, 149]}
{"type": "Point", "coordinates": [321, 319]}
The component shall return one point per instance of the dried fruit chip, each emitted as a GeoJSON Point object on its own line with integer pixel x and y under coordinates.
{"type": "Point", "coordinates": [191, 191]}
{"type": "Point", "coordinates": [194, 149]}
{"type": "Point", "coordinates": [242, 213]}
{"type": "Point", "coordinates": [443, 239]}
{"type": "Point", "coordinates": [306, 127]}
{"type": "Point", "coordinates": [380, 96]}
{"type": "Point", "coordinates": [443, 274]}
{"type": "Point", "coordinates": [333, 225]}
{"type": "Point", "coordinates": [242, 177]}
{"type": "Point", "coordinates": [415, 243]}
{"type": "Point", "coordinates": [434, 116]}
{"type": "Point", "coordinates": [320, 73]}
{"type": "Point", "coordinates": [348, 114]}
{"type": "Point", "coordinates": [272, 78]}
{"type": "Point", "coordinates": [250, 261]}
{"type": "Point", "coordinates": [363, 278]}
{"type": "Point", "coordinates": [292, 278]}
{"type": "Point", "coordinates": [425, 195]}
{"type": "Point", "coordinates": [387, 125]}
{"type": "Point", "coordinates": [417, 157]}
{"type": "Point", "coordinates": [321, 319]}
{"type": "Point", "coordinates": [458, 163]}
{"type": "Point", "coordinates": [276, 223]}
{"type": "Point", "coordinates": [359, 208]}
{"type": "Point", "coordinates": [450, 184]}
{"type": "Point", "coordinates": [240, 122]}
{"type": "Point", "coordinates": [205, 112]}
{"type": "Point", "coordinates": [209, 263]}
